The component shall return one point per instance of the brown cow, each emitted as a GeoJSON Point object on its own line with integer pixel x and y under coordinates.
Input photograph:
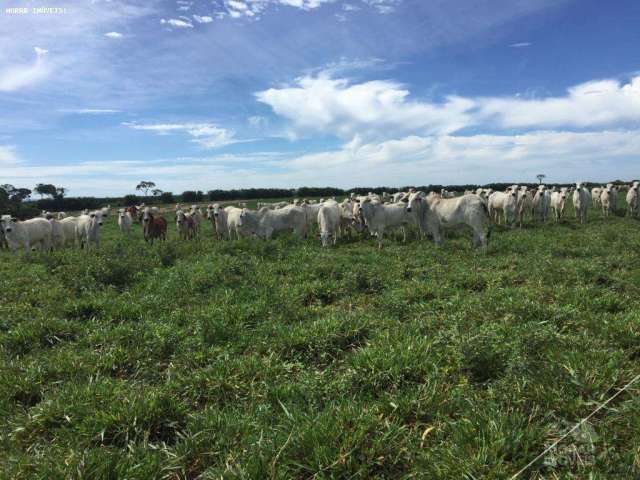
{"type": "Point", "coordinates": [154, 227]}
{"type": "Point", "coordinates": [133, 211]}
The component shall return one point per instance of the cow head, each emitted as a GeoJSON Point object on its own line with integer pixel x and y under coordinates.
{"type": "Point", "coordinates": [147, 216]}
{"type": "Point", "coordinates": [96, 217]}
{"type": "Point", "coordinates": [414, 201]}
{"type": "Point", "coordinates": [7, 223]}
{"type": "Point", "coordinates": [242, 217]}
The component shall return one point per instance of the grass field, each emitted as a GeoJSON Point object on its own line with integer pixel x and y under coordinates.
{"type": "Point", "coordinates": [280, 359]}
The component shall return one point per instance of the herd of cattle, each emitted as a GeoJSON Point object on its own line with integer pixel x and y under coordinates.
{"type": "Point", "coordinates": [433, 214]}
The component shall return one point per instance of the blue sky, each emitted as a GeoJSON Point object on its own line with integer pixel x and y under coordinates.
{"type": "Point", "coordinates": [286, 93]}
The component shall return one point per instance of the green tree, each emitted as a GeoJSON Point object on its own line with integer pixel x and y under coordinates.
{"type": "Point", "coordinates": [60, 193]}
{"type": "Point", "coordinates": [43, 189]}
{"type": "Point", "coordinates": [145, 186]}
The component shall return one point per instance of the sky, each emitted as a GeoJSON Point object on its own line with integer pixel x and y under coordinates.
{"type": "Point", "coordinates": [96, 96]}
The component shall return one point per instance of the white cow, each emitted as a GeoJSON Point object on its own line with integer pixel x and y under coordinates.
{"type": "Point", "coordinates": [311, 213]}
{"type": "Point", "coordinates": [196, 215]}
{"type": "Point", "coordinates": [444, 193]}
{"type": "Point", "coordinates": [88, 229]}
{"type": "Point", "coordinates": [581, 202]}
{"type": "Point", "coordinates": [607, 200]}
{"type": "Point", "coordinates": [558, 201]}
{"type": "Point", "coordinates": [436, 214]}
{"type": "Point", "coordinates": [185, 225]}
{"type": "Point", "coordinates": [58, 239]}
{"type": "Point", "coordinates": [329, 217]}
{"type": "Point", "coordinates": [396, 197]}
{"type": "Point", "coordinates": [264, 222]}
{"type": "Point", "coordinates": [105, 211]}
{"type": "Point", "coordinates": [379, 217]}
{"type": "Point", "coordinates": [230, 216]}
{"type": "Point", "coordinates": [27, 234]}
{"type": "Point", "coordinates": [505, 203]}
{"type": "Point", "coordinates": [632, 200]}
{"type": "Point", "coordinates": [525, 203]}
{"type": "Point", "coordinates": [218, 218]}
{"type": "Point", "coordinates": [69, 226]}
{"type": "Point", "coordinates": [271, 206]}
{"type": "Point", "coordinates": [613, 197]}
{"type": "Point", "coordinates": [480, 192]}
{"type": "Point", "coordinates": [541, 202]}
{"type": "Point", "coordinates": [595, 196]}
{"type": "Point", "coordinates": [125, 221]}
{"type": "Point", "coordinates": [62, 215]}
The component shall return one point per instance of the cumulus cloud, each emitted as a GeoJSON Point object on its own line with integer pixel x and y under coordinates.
{"type": "Point", "coordinates": [591, 104]}
{"type": "Point", "coordinates": [177, 23]}
{"type": "Point", "coordinates": [371, 109]}
{"type": "Point", "coordinates": [113, 35]}
{"type": "Point", "coordinates": [206, 135]}
{"type": "Point", "coordinates": [16, 77]}
{"type": "Point", "coordinates": [203, 19]}
{"type": "Point", "coordinates": [382, 108]}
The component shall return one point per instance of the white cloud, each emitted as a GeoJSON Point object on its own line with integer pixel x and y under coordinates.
{"type": "Point", "coordinates": [203, 19]}
{"type": "Point", "coordinates": [16, 77]}
{"type": "Point", "coordinates": [371, 109]}
{"type": "Point", "coordinates": [410, 160]}
{"type": "Point", "coordinates": [237, 5]}
{"type": "Point", "coordinates": [257, 121]}
{"type": "Point", "coordinates": [113, 35]}
{"type": "Point", "coordinates": [206, 135]}
{"type": "Point", "coordinates": [304, 4]}
{"type": "Point", "coordinates": [590, 104]}
{"type": "Point", "coordinates": [448, 159]}
{"type": "Point", "coordinates": [520, 45]}
{"type": "Point", "coordinates": [254, 8]}
{"type": "Point", "coordinates": [8, 155]}
{"type": "Point", "coordinates": [177, 23]}
{"type": "Point", "coordinates": [383, 6]}
{"type": "Point", "coordinates": [383, 109]}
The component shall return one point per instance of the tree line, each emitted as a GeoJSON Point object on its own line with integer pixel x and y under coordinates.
{"type": "Point", "coordinates": [17, 201]}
